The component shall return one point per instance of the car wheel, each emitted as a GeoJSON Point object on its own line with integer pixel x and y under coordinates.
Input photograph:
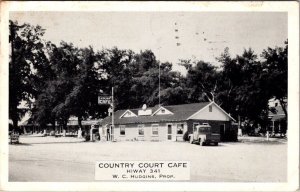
{"type": "Point", "coordinates": [200, 142]}
{"type": "Point", "coordinates": [216, 144]}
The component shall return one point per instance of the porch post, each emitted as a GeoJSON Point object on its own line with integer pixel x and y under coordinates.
{"type": "Point", "coordinates": [273, 128]}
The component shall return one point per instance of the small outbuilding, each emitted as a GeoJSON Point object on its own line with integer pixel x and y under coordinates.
{"type": "Point", "coordinates": [167, 123]}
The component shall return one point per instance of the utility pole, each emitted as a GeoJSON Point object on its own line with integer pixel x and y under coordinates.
{"type": "Point", "coordinates": [159, 84]}
{"type": "Point", "coordinates": [112, 115]}
{"type": "Point", "coordinates": [239, 126]}
{"type": "Point", "coordinates": [159, 77]}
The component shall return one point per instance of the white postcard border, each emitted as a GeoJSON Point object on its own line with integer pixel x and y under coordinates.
{"type": "Point", "coordinates": [293, 94]}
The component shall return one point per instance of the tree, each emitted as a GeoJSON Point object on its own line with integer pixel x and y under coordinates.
{"type": "Point", "coordinates": [26, 50]}
{"type": "Point", "coordinates": [65, 61]}
{"type": "Point", "coordinates": [230, 81]}
{"type": "Point", "coordinates": [82, 99]}
{"type": "Point", "coordinates": [41, 83]}
{"type": "Point", "coordinates": [43, 105]}
{"type": "Point", "coordinates": [244, 91]}
{"type": "Point", "coordinates": [135, 77]}
{"type": "Point", "coordinates": [174, 89]}
{"type": "Point", "coordinates": [51, 105]}
{"type": "Point", "coordinates": [73, 88]}
{"type": "Point", "coordinates": [275, 68]}
{"type": "Point", "coordinates": [201, 79]}
{"type": "Point", "coordinates": [252, 95]}
{"type": "Point", "coordinates": [118, 72]}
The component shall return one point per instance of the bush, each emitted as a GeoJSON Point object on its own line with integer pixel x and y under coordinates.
{"type": "Point", "coordinates": [87, 137]}
{"type": "Point", "coordinates": [52, 133]}
{"type": "Point", "coordinates": [186, 136]}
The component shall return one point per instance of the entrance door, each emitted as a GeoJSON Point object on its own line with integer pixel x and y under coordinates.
{"type": "Point", "coordinates": [222, 132]}
{"type": "Point", "coordinates": [169, 133]}
{"type": "Point", "coordinates": [108, 134]}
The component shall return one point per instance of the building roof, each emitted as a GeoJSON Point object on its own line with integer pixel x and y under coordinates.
{"type": "Point", "coordinates": [72, 121]}
{"type": "Point", "coordinates": [84, 122]}
{"type": "Point", "coordinates": [277, 114]}
{"type": "Point", "coordinates": [277, 111]}
{"type": "Point", "coordinates": [277, 118]}
{"type": "Point", "coordinates": [180, 113]}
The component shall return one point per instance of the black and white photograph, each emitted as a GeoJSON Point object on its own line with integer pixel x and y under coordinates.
{"type": "Point", "coordinates": [151, 95]}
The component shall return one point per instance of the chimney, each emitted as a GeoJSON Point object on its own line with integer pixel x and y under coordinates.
{"type": "Point", "coordinates": [144, 111]}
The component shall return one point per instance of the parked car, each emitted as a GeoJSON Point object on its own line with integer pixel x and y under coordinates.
{"type": "Point", "coordinates": [14, 138]}
{"type": "Point", "coordinates": [203, 135]}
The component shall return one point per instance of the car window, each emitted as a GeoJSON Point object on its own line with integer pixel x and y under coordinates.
{"type": "Point", "coordinates": [204, 129]}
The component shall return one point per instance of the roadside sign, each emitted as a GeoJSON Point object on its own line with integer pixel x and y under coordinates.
{"type": "Point", "coordinates": [104, 100]}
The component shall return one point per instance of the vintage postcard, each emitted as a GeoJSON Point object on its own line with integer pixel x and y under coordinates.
{"type": "Point", "coordinates": [149, 96]}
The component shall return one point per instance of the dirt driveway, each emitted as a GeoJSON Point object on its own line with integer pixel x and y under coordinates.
{"type": "Point", "coordinates": [70, 159]}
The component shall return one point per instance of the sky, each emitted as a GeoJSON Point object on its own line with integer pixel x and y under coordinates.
{"type": "Point", "coordinates": [201, 35]}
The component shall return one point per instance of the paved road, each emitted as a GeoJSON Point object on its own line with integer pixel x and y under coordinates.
{"type": "Point", "coordinates": [65, 159]}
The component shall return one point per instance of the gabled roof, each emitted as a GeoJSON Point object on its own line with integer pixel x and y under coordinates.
{"type": "Point", "coordinates": [278, 111]}
{"type": "Point", "coordinates": [128, 110]}
{"type": "Point", "coordinates": [180, 113]}
{"type": "Point", "coordinates": [277, 114]}
{"type": "Point", "coordinates": [159, 109]}
{"type": "Point", "coordinates": [212, 103]}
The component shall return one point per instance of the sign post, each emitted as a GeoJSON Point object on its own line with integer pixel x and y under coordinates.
{"type": "Point", "coordinates": [109, 100]}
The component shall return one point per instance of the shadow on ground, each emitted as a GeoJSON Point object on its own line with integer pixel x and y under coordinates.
{"type": "Point", "coordinates": [21, 144]}
{"type": "Point", "coordinates": [41, 143]}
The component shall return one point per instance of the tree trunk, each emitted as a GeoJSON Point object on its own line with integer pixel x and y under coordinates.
{"type": "Point", "coordinates": [14, 110]}
{"type": "Point", "coordinates": [53, 124]}
{"type": "Point", "coordinates": [15, 123]}
{"type": "Point", "coordinates": [80, 122]}
{"type": "Point", "coordinates": [64, 124]}
{"type": "Point", "coordinates": [79, 135]}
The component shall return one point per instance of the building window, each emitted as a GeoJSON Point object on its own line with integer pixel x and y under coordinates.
{"type": "Point", "coordinates": [128, 113]}
{"type": "Point", "coordinates": [155, 130]}
{"type": "Point", "coordinates": [169, 129]}
{"type": "Point", "coordinates": [179, 129]}
{"type": "Point", "coordinates": [163, 111]}
{"type": "Point", "coordinates": [210, 108]}
{"type": "Point", "coordinates": [122, 130]}
{"type": "Point", "coordinates": [141, 130]}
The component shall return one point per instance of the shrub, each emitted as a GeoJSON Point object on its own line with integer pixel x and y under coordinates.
{"type": "Point", "coordinates": [52, 133]}
{"type": "Point", "coordinates": [87, 137]}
